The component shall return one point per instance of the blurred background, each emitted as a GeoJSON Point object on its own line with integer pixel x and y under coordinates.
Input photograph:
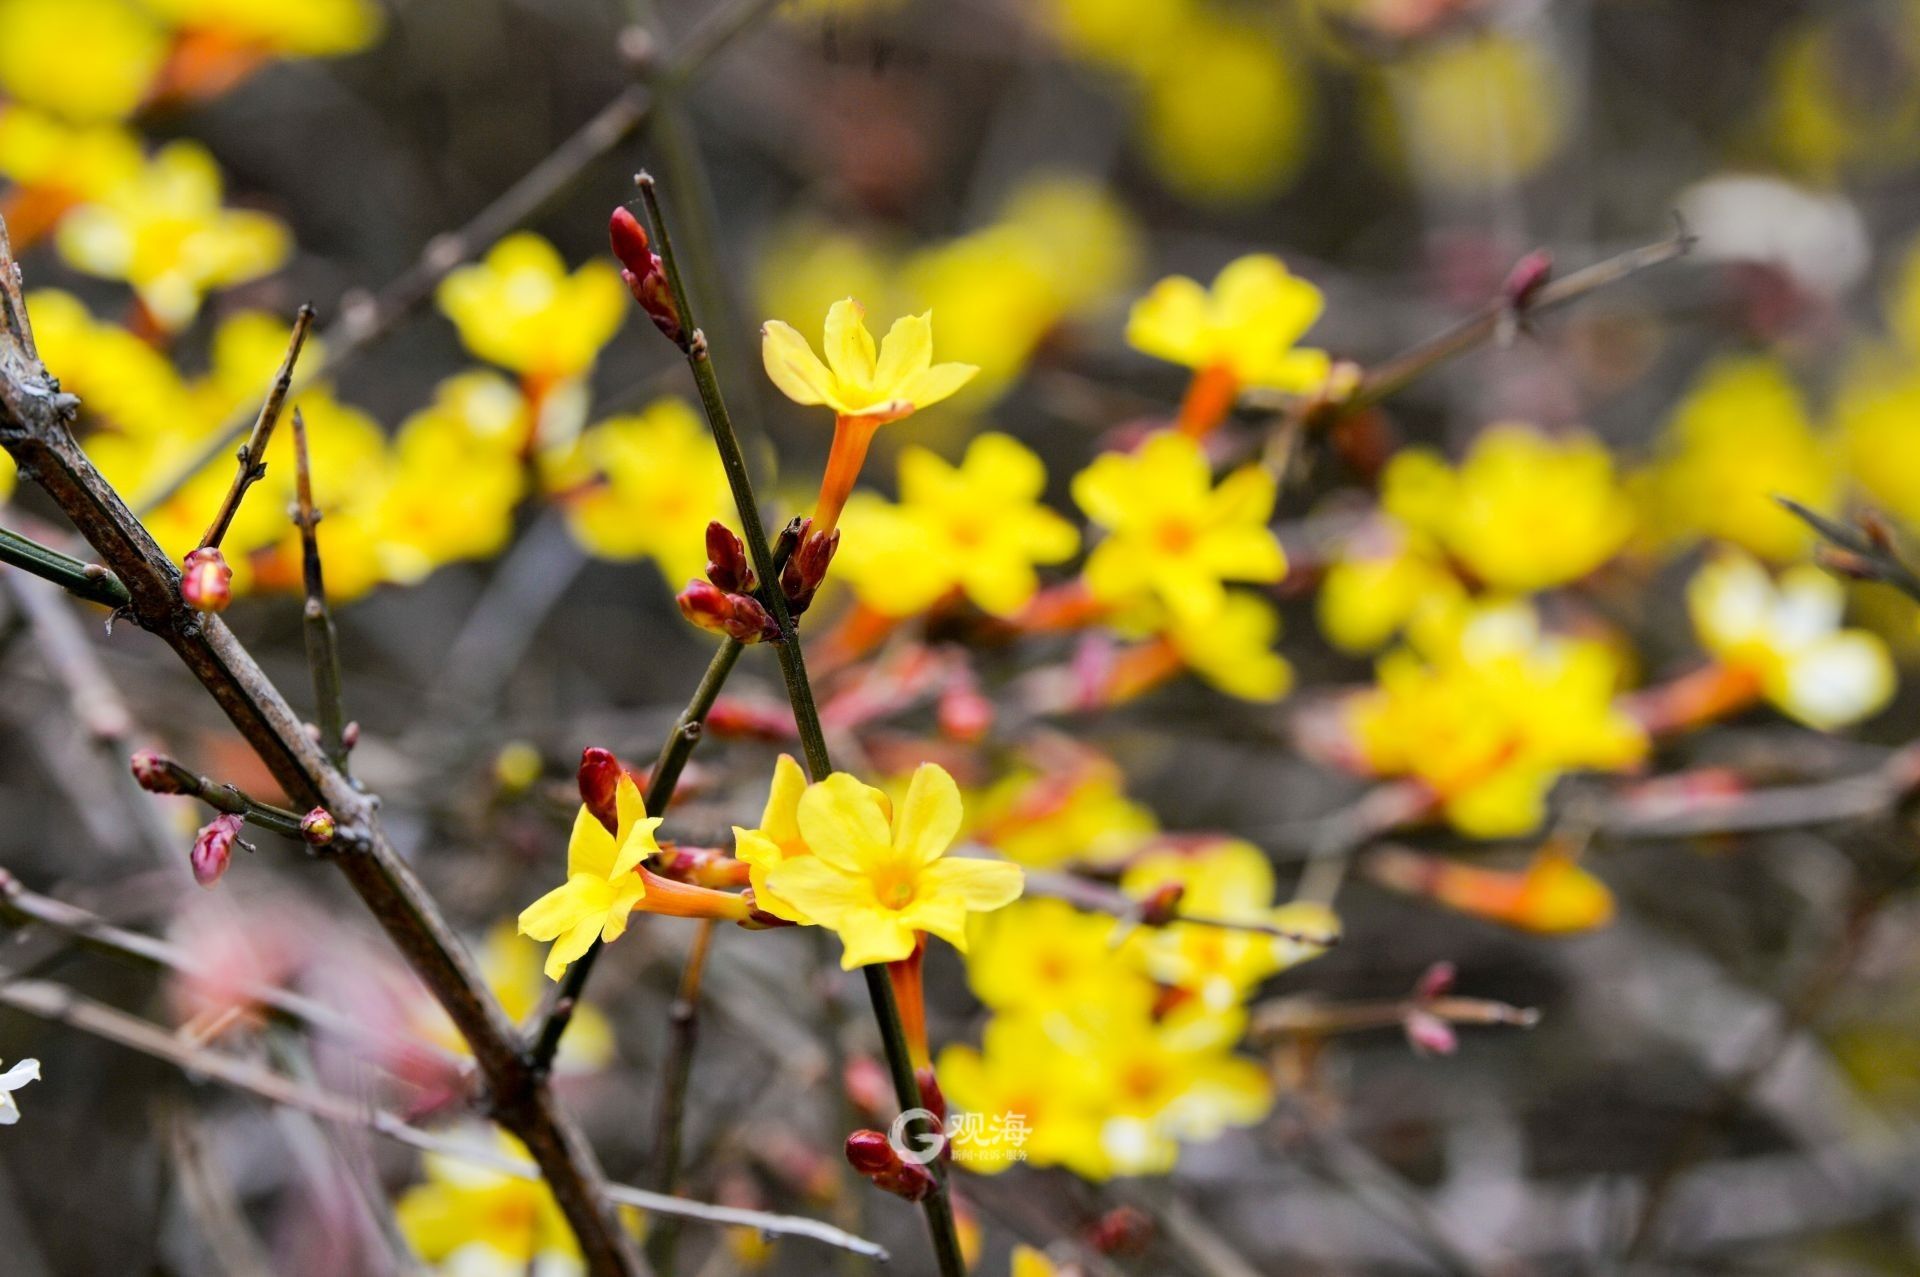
{"type": "Point", "coordinates": [1726, 1072]}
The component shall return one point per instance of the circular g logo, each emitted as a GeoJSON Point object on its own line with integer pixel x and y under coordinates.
{"type": "Point", "coordinates": [925, 1145]}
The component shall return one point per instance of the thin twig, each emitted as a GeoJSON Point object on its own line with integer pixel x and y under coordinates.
{"type": "Point", "coordinates": [365, 322]}
{"type": "Point", "coordinates": [323, 641]}
{"type": "Point", "coordinates": [1865, 553]}
{"type": "Point", "coordinates": [252, 457]}
{"type": "Point", "coordinates": [1296, 1017]}
{"type": "Point", "coordinates": [937, 1205]}
{"type": "Point", "coordinates": [36, 429]}
{"type": "Point", "coordinates": [84, 580]}
{"type": "Point", "coordinates": [1093, 897]}
{"type": "Point", "coordinates": [24, 908]}
{"type": "Point", "coordinates": [56, 1003]}
{"type": "Point", "coordinates": [219, 796]}
{"type": "Point", "coordinates": [684, 1025]}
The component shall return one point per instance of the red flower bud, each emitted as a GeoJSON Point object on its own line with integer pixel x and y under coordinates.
{"type": "Point", "coordinates": [213, 848]}
{"type": "Point", "coordinates": [206, 582]}
{"type": "Point", "coordinates": [318, 827]}
{"type": "Point", "coordinates": [644, 274]}
{"type": "Point", "coordinates": [1434, 981]}
{"type": "Point", "coordinates": [870, 1153]}
{"type": "Point", "coordinates": [737, 719]}
{"type": "Point", "coordinates": [1428, 1034]}
{"type": "Point", "coordinates": [1124, 1230]}
{"type": "Point", "coordinates": [159, 774]}
{"type": "Point", "coordinates": [808, 555]}
{"type": "Point", "coordinates": [738, 616]}
{"type": "Point", "coordinates": [727, 565]}
{"type": "Point", "coordinates": [1528, 276]}
{"type": "Point", "coordinates": [600, 774]}
{"type": "Point", "coordinates": [964, 714]}
{"type": "Point", "coordinates": [932, 1098]}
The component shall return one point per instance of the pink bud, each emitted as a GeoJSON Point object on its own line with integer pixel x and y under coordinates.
{"type": "Point", "coordinates": [1124, 1230]}
{"type": "Point", "coordinates": [629, 240]}
{"type": "Point", "coordinates": [158, 774]}
{"type": "Point", "coordinates": [873, 1155]}
{"type": "Point", "coordinates": [869, 1153]}
{"type": "Point", "coordinates": [318, 827]}
{"type": "Point", "coordinates": [1528, 276]}
{"type": "Point", "coordinates": [738, 616]}
{"type": "Point", "coordinates": [644, 274]}
{"type": "Point", "coordinates": [1429, 1034]}
{"type": "Point", "coordinates": [964, 714]}
{"type": "Point", "coordinates": [600, 774]}
{"type": "Point", "coordinates": [213, 848]}
{"type": "Point", "coordinates": [1434, 981]}
{"type": "Point", "coordinates": [206, 582]}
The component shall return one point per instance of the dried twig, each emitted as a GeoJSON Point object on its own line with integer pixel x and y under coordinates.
{"type": "Point", "coordinates": [1094, 897]}
{"type": "Point", "coordinates": [323, 642]}
{"type": "Point", "coordinates": [684, 1020]}
{"type": "Point", "coordinates": [252, 457]}
{"type": "Point", "coordinates": [1865, 552]}
{"type": "Point", "coordinates": [61, 1005]}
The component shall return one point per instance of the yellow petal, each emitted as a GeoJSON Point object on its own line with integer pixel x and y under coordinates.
{"type": "Point", "coordinates": [582, 896]}
{"type": "Point", "coordinates": [848, 345]}
{"type": "Point", "coordinates": [874, 935]}
{"type": "Point", "coordinates": [929, 817]}
{"type": "Point", "coordinates": [844, 822]}
{"type": "Point", "coordinates": [938, 382]}
{"type": "Point", "coordinates": [905, 353]}
{"type": "Point", "coordinates": [778, 820]}
{"type": "Point", "coordinates": [591, 848]}
{"type": "Point", "coordinates": [1171, 321]}
{"type": "Point", "coordinates": [793, 367]}
{"type": "Point", "coordinates": [824, 892]}
{"type": "Point", "coordinates": [569, 947]}
{"type": "Point", "coordinates": [980, 885]}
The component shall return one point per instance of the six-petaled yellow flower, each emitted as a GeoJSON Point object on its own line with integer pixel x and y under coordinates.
{"type": "Point", "coordinates": [520, 308]}
{"type": "Point", "coordinates": [877, 876]}
{"type": "Point", "coordinates": [602, 887]}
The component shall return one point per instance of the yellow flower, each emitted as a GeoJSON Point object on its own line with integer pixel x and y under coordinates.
{"type": "Point", "coordinates": [312, 28]}
{"type": "Point", "coordinates": [1553, 895]}
{"type": "Point", "coordinates": [122, 381]}
{"type": "Point", "coordinates": [1081, 234]}
{"type": "Point", "coordinates": [1385, 578]}
{"type": "Point", "coordinates": [1485, 110]}
{"type": "Point", "coordinates": [1232, 881]}
{"type": "Point", "coordinates": [1740, 437]}
{"type": "Point", "coordinates": [777, 840]}
{"type": "Point", "coordinates": [877, 880]}
{"type": "Point", "coordinates": [601, 888]}
{"type": "Point", "coordinates": [1822, 119]}
{"type": "Point", "coordinates": [166, 234]}
{"type": "Point", "coordinates": [661, 462]}
{"type": "Point", "coordinates": [1787, 638]}
{"type": "Point", "coordinates": [1028, 1262]}
{"type": "Point", "coordinates": [1044, 955]}
{"type": "Point", "coordinates": [1129, 34]}
{"type": "Point", "coordinates": [977, 528]}
{"type": "Point", "coordinates": [858, 380]}
{"type": "Point", "coordinates": [866, 387]}
{"type": "Point", "coordinates": [1226, 112]}
{"type": "Point", "coordinates": [1168, 1080]}
{"type": "Point", "coordinates": [1233, 650]}
{"type": "Point", "coordinates": [1173, 537]}
{"type": "Point", "coordinates": [54, 166]}
{"type": "Point", "coordinates": [1487, 713]}
{"type": "Point", "coordinates": [82, 59]}
{"type": "Point", "coordinates": [1022, 1074]}
{"type": "Point", "coordinates": [519, 308]}
{"type": "Point", "coordinates": [1874, 411]}
{"type": "Point", "coordinates": [1523, 512]}
{"type": "Point", "coordinates": [472, 1220]}
{"type": "Point", "coordinates": [1058, 816]}
{"type": "Point", "coordinates": [1245, 326]}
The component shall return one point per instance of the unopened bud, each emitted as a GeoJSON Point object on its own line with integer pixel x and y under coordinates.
{"type": "Point", "coordinates": [932, 1098]}
{"type": "Point", "coordinates": [1434, 981]}
{"type": "Point", "coordinates": [1878, 531]}
{"type": "Point", "coordinates": [600, 775]}
{"type": "Point", "coordinates": [1162, 905]}
{"type": "Point", "coordinates": [807, 563]}
{"type": "Point", "coordinates": [213, 848]}
{"type": "Point", "coordinates": [727, 565]}
{"type": "Point", "coordinates": [1124, 1230]}
{"type": "Point", "coordinates": [738, 616]}
{"type": "Point", "coordinates": [738, 719]}
{"type": "Point", "coordinates": [645, 275]}
{"type": "Point", "coordinates": [206, 582]}
{"type": "Point", "coordinates": [158, 774]}
{"type": "Point", "coordinates": [1428, 1034]}
{"type": "Point", "coordinates": [1845, 563]}
{"type": "Point", "coordinates": [1528, 276]}
{"type": "Point", "coordinates": [964, 714]}
{"type": "Point", "coordinates": [318, 827]}
{"type": "Point", "coordinates": [870, 1153]}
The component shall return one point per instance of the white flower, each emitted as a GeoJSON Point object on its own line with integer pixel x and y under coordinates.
{"type": "Point", "coordinates": [1786, 635]}
{"type": "Point", "coordinates": [12, 1080]}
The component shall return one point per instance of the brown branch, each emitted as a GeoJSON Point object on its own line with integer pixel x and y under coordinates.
{"type": "Point", "coordinates": [35, 427]}
{"type": "Point", "coordinates": [684, 1021]}
{"type": "Point", "coordinates": [1865, 552]}
{"type": "Point", "coordinates": [61, 1005]}
{"type": "Point", "coordinates": [252, 457]}
{"type": "Point", "coordinates": [323, 642]}
{"type": "Point", "coordinates": [1295, 1017]}
{"type": "Point", "coordinates": [1094, 897]}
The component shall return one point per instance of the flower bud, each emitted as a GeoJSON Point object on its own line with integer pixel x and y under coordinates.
{"type": "Point", "coordinates": [1528, 276]}
{"type": "Point", "coordinates": [964, 714]}
{"type": "Point", "coordinates": [734, 718]}
{"type": "Point", "coordinates": [1124, 1230]}
{"type": "Point", "coordinates": [1162, 905]}
{"type": "Point", "coordinates": [1435, 981]}
{"type": "Point", "coordinates": [807, 563]}
{"type": "Point", "coordinates": [1428, 1034]}
{"type": "Point", "coordinates": [213, 848]}
{"type": "Point", "coordinates": [206, 582]}
{"type": "Point", "coordinates": [644, 274]}
{"type": "Point", "coordinates": [932, 1098]}
{"type": "Point", "coordinates": [870, 1153]}
{"type": "Point", "coordinates": [158, 774]}
{"type": "Point", "coordinates": [600, 774]}
{"type": "Point", "coordinates": [727, 565]}
{"type": "Point", "coordinates": [318, 827]}
{"type": "Point", "coordinates": [738, 616]}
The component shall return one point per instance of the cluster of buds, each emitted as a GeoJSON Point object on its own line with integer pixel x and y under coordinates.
{"type": "Point", "coordinates": [206, 582]}
{"type": "Point", "coordinates": [724, 602]}
{"type": "Point", "coordinates": [1429, 1033]}
{"type": "Point", "coordinates": [873, 1155]}
{"type": "Point", "coordinates": [806, 556]}
{"type": "Point", "coordinates": [645, 275]}
{"type": "Point", "coordinates": [213, 848]}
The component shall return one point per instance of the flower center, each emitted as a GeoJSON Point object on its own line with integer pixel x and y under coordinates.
{"type": "Point", "coordinates": [894, 888]}
{"type": "Point", "coordinates": [1175, 536]}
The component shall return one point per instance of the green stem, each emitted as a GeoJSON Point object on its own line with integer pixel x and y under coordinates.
{"type": "Point", "coordinates": [323, 641]}
{"type": "Point", "coordinates": [89, 581]}
{"type": "Point", "coordinates": [685, 1019]}
{"type": "Point", "coordinates": [938, 1205]}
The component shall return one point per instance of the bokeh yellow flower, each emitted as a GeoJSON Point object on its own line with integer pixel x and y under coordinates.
{"type": "Point", "coordinates": [520, 308]}
{"type": "Point", "coordinates": [54, 166]}
{"type": "Point", "coordinates": [311, 28]}
{"type": "Point", "coordinates": [1062, 814]}
{"type": "Point", "coordinates": [85, 60]}
{"type": "Point", "coordinates": [476, 1222]}
{"type": "Point", "coordinates": [1246, 325]}
{"type": "Point", "coordinates": [1485, 109]}
{"type": "Point", "coordinates": [166, 233]}
{"type": "Point", "coordinates": [662, 462]}
{"type": "Point", "coordinates": [978, 529]}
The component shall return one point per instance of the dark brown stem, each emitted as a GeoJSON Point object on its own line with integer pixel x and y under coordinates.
{"type": "Point", "coordinates": [684, 1022]}
{"type": "Point", "coordinates": [252, 457]}
{"type": "Point", "coordinates": [219, 796]}
{"type": "Point", "coordinates": [323, 641]}
{"type": "Point", "coordinates": [35, 428]}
